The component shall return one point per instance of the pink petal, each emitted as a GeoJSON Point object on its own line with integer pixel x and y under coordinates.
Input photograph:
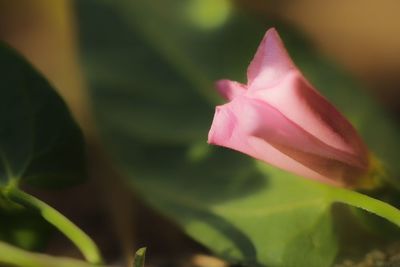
{"type": "Point", "coordinates": [230, 89]}
{"type": "Point", "coordinates": [299, 102]}
{"type": "Point", "coordinates": [224, 129]}
{"type": "Point", "coordinates": [282, 120]}
{"type": "Point", "coordinates": [259, 130]}
{"type": "Point", "coordinates": [230, 130]}
{"type": "Point", "coordinates": [270, 63]}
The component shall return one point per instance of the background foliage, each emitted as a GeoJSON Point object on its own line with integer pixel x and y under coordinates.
{"type": "Point", "coordinates": [150, 68]}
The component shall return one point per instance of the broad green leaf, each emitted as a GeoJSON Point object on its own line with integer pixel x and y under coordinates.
{"type": "Point", "coordinates": [39, 141]}
{"type": "Point", "coordinates": [40, 145]}
{"type": "Point", "coordinates": [12, 256]}
{"type": "Point", "coordinates": [151, 66]}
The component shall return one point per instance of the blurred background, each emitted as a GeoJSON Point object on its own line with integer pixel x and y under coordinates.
{"type": "Point", "coordinates": [89, 52]}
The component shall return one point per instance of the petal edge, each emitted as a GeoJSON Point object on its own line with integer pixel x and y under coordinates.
{"type": "Point", "coordinates": [270, 63]}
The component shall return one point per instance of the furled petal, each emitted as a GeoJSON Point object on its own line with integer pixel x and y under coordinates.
{"type": "Point", "coordinates": [230, 89]}
{"type": "Point", "coordinates": [270, 63]}
{"type": "Point", "coordinates": [281, 119]}
{"type": "Point", "coordinates": [232, 126]}
{"type": "Point", "coordinates": [299, 102]}
{"type": "Point", "coordinates": [259, 130]}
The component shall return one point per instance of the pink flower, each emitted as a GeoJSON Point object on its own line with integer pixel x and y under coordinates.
{"type": "Point", "coordinates": [279, 118]}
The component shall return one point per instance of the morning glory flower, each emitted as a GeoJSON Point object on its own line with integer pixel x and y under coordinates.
{"type": "Point", "coordinates": [279, 118]}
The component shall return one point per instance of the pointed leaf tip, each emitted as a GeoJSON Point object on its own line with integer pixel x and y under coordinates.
{"type": "Point", "coordinates": [140, 256]}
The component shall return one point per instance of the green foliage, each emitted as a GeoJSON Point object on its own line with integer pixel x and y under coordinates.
{"type": "Point", "coordinates": [39, 141]}
{"type": "Point", "coordinates": [151, 66]}
{"type": "Point", "coordinates": [40, 145]}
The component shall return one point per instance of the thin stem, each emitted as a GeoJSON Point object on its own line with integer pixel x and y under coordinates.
{"type": "Point", "coordinates": [370, 204]}
{"type": "Point", "coordinates": [81, 240]}
{"type": "Point", "coordinates": [13, 256]}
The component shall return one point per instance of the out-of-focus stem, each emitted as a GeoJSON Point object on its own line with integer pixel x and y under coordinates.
{"type": "Point", "coordinates": [18, 257]}
{"type": "Point", "coordinates": [81, 240]}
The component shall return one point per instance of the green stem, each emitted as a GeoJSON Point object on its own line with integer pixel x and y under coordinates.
{"type": "Point", "coordinates": [81, 240]}
{"type": "Point", "coordinates": [13, 256]}
{"type": "Point", "coordinates": [370, 204]}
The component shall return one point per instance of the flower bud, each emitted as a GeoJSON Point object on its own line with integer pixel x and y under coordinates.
{"type": "Point", "coordinates": [279, 118]}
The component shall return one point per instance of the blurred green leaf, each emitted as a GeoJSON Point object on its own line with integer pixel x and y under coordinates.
{"type": "Point", "coordinates": [39, 141]}
{"type": "Point", "coordinates": [40, 145]}
{"type": "Point", "coordinates": [12, 256]}
{"type": "Point", "coordinates": [151, 65]}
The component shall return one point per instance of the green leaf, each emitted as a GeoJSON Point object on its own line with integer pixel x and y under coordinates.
{"type": "Point", "coordinates": [39, 141]}
{"type": "Point", "coordinates": [40, 145]}
{"type": "Point", "coordinates": [151, 66]}
{"type": "Point", "coordinates": [264, 227]}
{"type": "Point", "coordinates": [12, 256]}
